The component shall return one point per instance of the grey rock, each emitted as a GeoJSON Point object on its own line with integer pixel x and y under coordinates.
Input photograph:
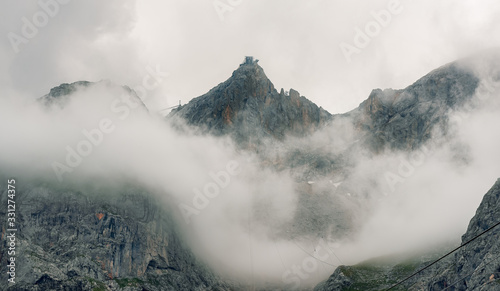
{"type": "Point", "coordinates": [84, 237]}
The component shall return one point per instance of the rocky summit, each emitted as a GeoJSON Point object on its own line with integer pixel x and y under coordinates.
{"type": "Point", "coordinates": [249, 108]}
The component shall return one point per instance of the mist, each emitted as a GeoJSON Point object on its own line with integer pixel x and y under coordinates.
{"type": "Point", "coordinates": [399, 202]}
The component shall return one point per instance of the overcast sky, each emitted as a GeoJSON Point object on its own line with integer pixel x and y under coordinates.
{"type": "Point", "coordinates": [298, 44]}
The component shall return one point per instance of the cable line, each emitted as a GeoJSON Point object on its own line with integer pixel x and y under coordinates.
{"type": "Point", "coordinates": [457, 248]}
{"type": "Point", "coordinates": [312, 255]}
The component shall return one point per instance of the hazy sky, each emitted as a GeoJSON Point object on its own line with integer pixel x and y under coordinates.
{"type": "Point", "coordinates": [298, 44]}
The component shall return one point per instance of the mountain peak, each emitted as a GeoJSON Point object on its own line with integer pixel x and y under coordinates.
{"type": "Point", "coordinates": [248, 107]}
{"type": "Point", "coordinates": [249, 62]}
{"type": "Point", "coordinates": [251, 79]}
{"type": "Point", "coordinates": [61, 95]}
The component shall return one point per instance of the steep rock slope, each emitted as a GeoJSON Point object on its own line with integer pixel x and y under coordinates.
{"type": "Point", "coordinates": [477, 265]}
{"type": "Point", "coordinates": [98, 237]}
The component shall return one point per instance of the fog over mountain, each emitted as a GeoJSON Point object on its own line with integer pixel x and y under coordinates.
{"type": "Point", "coordinates": [253, 203]}
{"type": "Point", "coordinates": [161, 147]}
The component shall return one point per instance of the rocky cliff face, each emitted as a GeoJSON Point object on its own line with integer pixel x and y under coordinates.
{"type": "Point", "coordinates": [248, 107]}
{"type": "Point", "coordinates": [88, 237]}
{"type": "Point", "coordinates": [477, 265]}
